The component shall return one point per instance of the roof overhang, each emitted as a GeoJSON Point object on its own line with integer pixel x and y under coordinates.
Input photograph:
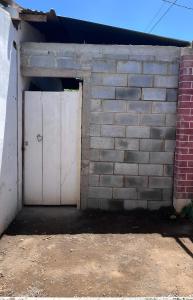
{"type": "Point", "coordinates": [59, 29]}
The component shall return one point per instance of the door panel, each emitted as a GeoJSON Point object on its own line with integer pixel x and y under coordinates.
{"type": "Point", "coordinates": [33, 149]}
{"type": "Point", "coordinates": [51, 148]}
{"type": "Point", "coordinates": [71, 150]}
{"type": "Point", "coordinates": [52, 144]}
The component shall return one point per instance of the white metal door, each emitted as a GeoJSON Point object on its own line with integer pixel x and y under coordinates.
{"type": "Point", "coordinates": [52, 144]}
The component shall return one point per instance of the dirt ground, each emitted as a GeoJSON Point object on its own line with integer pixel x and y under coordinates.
{"type": "Point", "coordinates": [62, 252]}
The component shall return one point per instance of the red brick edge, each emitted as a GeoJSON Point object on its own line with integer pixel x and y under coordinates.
{"type": "Point", "coordinates": [183, 170]}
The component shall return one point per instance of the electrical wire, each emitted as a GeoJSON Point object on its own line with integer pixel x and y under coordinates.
{"type": "Point", "coordinates": [165, 13]}
{"type": "Point", "coordinates": [154, 17]}
{"type": "Point", "coordinates": [179, 5]}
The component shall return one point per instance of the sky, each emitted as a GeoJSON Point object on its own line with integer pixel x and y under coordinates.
{"type": "Point", "coordinates": [140, 15]}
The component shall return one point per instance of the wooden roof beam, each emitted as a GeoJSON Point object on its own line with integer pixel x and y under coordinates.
{"type": "Point", "coordinates": [33, 17]}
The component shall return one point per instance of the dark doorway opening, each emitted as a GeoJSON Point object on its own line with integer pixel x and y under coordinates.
{"type": "Point", "coordinates": [49, 84]}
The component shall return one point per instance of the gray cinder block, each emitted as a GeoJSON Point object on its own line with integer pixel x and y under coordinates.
{"type": "Point", "coordinates": [166, 81]}
{"type": "Point", "coordinates": [95, 105]}
{"type": "Point", "coordinates": [95, 130]}
{"type": "Point", "coordinates": [113, 131]}
{"type": "Point", "coordinates": [161, 157]}
{"type": "Point", "coordinates": [164, 107]}
{"type": "Point", "coordinates": [136, 157]}
{"type": "Point", "coordinates": [152, 120]}
{"type": "Point", "coordinates": [154, 94]}
{"type": "Point", "coordinates": [137, 132]}
{"type": "Point", "coordinates": [151, 169]}
{"type": "Point", "coordinates": [173, 68]}
{"type": "Point", "coordinates": [114, 79]}
{"type": "Point", "coordinates": [68, 63]}
{"type": "Point", "coordinates": [46, 62]}
{"type": "Point", "coordinates": [124, 193]}
{"type": "Point", "coordinates": [150, 194]}
{"type": "Point", "coordinates": [167, 194]}
{"type": "Point", "coordinates": [140, 80]}
{"type": "Point", "coordinates": [163, 133]}
{"type": "Point", "coordinates": [135, 181]}
{"type": "Point", "coordinates": [126, 119]}
{"type": "Point", "coordinates": [129, 67]}
{"type": "Point", "coordinates": [112, 155]}
{"type": "Point", "coordinates": [131, 94]}
{"type": "Point", "coordinates": [104, 65]}
{"type": "Point", "coordinates": [151, 145]}
{"type": "Point", "coordinates": [139, 106]}
{"type": "Point", "coordinates": [101, 118]}
{"type": "Point", "coordinates": [101, 168]}
{"type": "Point", "coordinates": [170, 145]}
{"type": "Point", "coordinates": [114, 106]}
{"type": "Point", "coordinates": [168, 170]}
{"type": "Point", "coordinates": [154, 68]}
{"type": "Point", "coordinates": [171, 120]}
{"type": "Point", "coordinates": [126, 144]}
{"type": "Point", "coordinates": [100, 192]}
{"type": "Point", "coordinates": [101, 142]}
{"type": "Point", "coordinates": [94, 180]}
{"type": "Point", "coordinates": [111, 180]}
{"type": "Point", "coordinates": [103, 92]}
{"type": "Point", "coordinates": [126, 169]}
{"type": "Point", "coordinates": [171, 94]}
{"type": "Point", "coordinates": [155, 205]}
{"type": "Point", "coordinates": [160, 182]}
{"type": "Point", "coordinates": [94, 154]}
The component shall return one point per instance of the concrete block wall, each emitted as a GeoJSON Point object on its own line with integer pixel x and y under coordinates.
{"type": "Point", "coordinates": [132, 118]}
{"type": "Point", "coordinates": [132, 142]}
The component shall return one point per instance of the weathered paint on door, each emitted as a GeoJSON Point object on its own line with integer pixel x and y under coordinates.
{"type": "Point", "coordinates": [52, 146]}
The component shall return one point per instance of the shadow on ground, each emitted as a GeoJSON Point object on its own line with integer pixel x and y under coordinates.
{"type": "Point", "coordinates": [63, 220]}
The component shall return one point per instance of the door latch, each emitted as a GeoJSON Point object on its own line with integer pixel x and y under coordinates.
{"type": "Point", "coordinates": [39, 137]}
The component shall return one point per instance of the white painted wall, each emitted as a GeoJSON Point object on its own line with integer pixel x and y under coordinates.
{"type": "Point", "coordinates": [12, 86]}
{"type": "Point", "coordinates": [8, 121]}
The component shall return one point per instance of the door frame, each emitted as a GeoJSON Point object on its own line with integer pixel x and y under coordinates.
{"type": "Point", "coordinates": [84, 75]}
